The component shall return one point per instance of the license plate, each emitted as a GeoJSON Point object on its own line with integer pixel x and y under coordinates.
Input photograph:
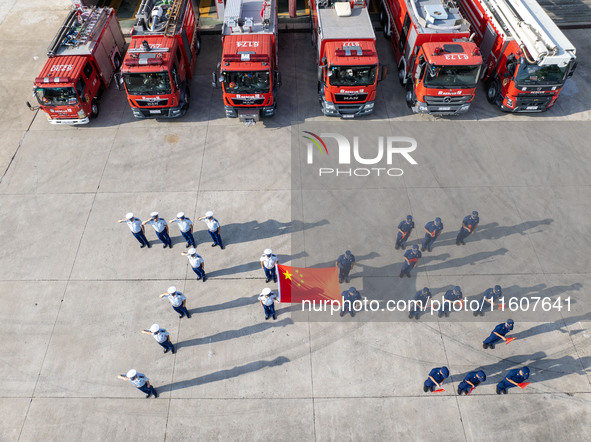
{"type": "Point", "coordinates": [152, 111]}
{"type": "Point", "coordinates": [445, 108]}
{"type": "Point", "coordinates": [531, 107]}
{"type": "Point", "coordinates": [348, 116]}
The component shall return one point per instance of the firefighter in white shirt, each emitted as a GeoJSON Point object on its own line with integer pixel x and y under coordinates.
{"type": "Point", "coordinates": [213, 226]}
{"type": "Point", "coordinates": [137, 229]}
{"type": "Point", "coordinates": [197, 263]}
{"type": "Point", "coordinates": [268, 261]}
{"type": "Point", "coordinates": [186, 228]}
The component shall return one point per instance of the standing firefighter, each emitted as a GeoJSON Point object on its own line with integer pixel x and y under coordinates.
{"type": "Point", "coordinates": [498, 334]}
{"type": "Point", "coordinates": [422, 298]}
{"type": "Point", "coordinates": [404, 229]}
{"type": "Point", "coordinates": [469, 225]}
{"type": "Point", "coordinates": [410, 260]}
{"type": "Point", "coordinates": [345, 264]}
{"type": "Point", "coordinates": [435, 379]}
{"type": "Point", "coordinates": [432, 231]}
{"type": "Point", "coordinates": [515, 378]}
{"type": "Point", "coordinates": [471, 381]}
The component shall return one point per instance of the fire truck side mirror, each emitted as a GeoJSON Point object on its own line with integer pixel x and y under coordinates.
{"type": "Point", "coordinates": [572, 70]}
{"type": "Point", "coordinates": [319, 73]}
{"type": "Point", "coordinates": [118, 80]}
{"type": "Point", "coordinates": [29, 106]}
{"type": "Point", "coordinates": [383, 72]}
{"type": "Point", "coordinates": [278, 78]}
{"type": "Point", "coordinates": [214, 79]}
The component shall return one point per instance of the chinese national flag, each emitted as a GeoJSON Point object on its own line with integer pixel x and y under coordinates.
{"type": "Point", "coordinates": [300, 284]}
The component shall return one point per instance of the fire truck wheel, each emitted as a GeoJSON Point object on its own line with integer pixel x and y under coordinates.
{"type": "Point", "coordinates": [94, 109]}
{"type": "Point", "coordinates": [382, 15]}
{"type": "Point", "coordinates": [401, 74]}
{"type": "Point", "coordinates": [198, 45]}
{"type": "Point", "coordinates": [186, 101]}
{"type": "Point", "coordinates": [409, 95]}
{"type": "Point", "coordinates": [492, 91]}
{"type": "Point", "coordinates": [117, 61]}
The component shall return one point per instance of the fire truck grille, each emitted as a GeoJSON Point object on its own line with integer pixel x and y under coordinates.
{"type": "Point", "coordinates": [243, 101]}
{"type": "Point", "coordinates": [352, 98]}
{"type": "Point", "coordinates": [146, 103]}
{"type": "Point", "coordinates": [345, 109]}
{"type": "Point", "coordinates": [524, 100]}
{"type": "Point", "coordinates": [447, 100]}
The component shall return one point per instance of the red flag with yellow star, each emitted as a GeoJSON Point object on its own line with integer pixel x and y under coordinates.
{"type": "Point", "coordinates": [302, 284]}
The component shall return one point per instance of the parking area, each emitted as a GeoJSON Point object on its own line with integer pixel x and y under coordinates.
{"type": "Point", "coordinates": [76, 290]}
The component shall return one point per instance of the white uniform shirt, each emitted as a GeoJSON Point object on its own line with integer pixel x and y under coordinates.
{"type": "Point", "coordinates": [162, 335]}
{"type": "Point", "coordinates": [139, 380]}
{"type": "Point", "coordinates": [212, 224]}
{"type": "Point", "coordinates": [159, 225]}
{"type": "Point", "coordinates": [268, 300]}
{"type": "Point", "coordinates": [176, 299]}
{"type": "Point", "coordinates": [270, 262]}
{"type": "Point", "coordinates": [135, 225]}
{"type": "Point", "coordinates": [195, 261]}
{"type": "Point", "coordinates": [184, 224]}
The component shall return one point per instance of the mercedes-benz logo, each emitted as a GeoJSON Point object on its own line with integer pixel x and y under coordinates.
{"type": "Point", "coordinates": [447, 99]}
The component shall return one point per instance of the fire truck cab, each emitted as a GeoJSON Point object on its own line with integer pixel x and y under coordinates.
{"type": "Point", "coordinates": [158, 67]}
{"type": "Point", "coordinates": [83, 58]}
{"type": "Point", "coordinates": [346, 57]}
{"type": "Point", "coordinates": [437, 63]}
{"type": "Point", "coordinates": [527, 58]}
{"type": "Point", "coordinates": [248, 71]}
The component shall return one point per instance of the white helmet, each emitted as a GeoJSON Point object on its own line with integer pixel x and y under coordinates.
{"type": "Point", "coordinates": [172, 289]}
{"type": "Point", "coordinates": [155, 328]}
{"type": "Point", "coordinates": [153, 214]}
{"type": "Point", "coordinates": [131, 373]}
{"type": "Point", "coordinates": [192, 251]}
{"type": "Point", "coordinates": [208, 214]}
{"type": "Point", "coordinates": [266, 291]}
{"type": "Point", "coordinates": [180, 215]}
{"type": "Point", "coordinates": [129, 215]}
{"type": "Point", "coordinates": [268, 252]}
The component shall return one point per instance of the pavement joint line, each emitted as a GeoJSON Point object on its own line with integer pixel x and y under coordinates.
{"type": "Point", "coordinates": [66, 285]}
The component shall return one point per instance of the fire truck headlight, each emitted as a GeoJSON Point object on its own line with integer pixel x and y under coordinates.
{"type": "Point", "coordinates": [509, 102]}
{"type": "Point", "coordinates": [465, 107]}
{"type": "Point", "coordinates": [81, 114]}
{"type": "Point", "coordinates": [369, 105]}
{"type": "Point", "coordinates": [329, 106]}
{"type": "Point", "coordinates": [422, 107]}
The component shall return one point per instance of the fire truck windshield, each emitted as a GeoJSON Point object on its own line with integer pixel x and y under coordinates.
{"type": "Point", "coordinates": [147, 83]}
{"type": "Point", "coordinates": [451, 76]}
{"type": "Point", "coordinates": [249, 82]}
{"type": "Point", "coordinates": [352, 75]}
{"type": "Point", "coordinates": [56, 96]}
{"type": "Point", "coordinates": [532, 74]}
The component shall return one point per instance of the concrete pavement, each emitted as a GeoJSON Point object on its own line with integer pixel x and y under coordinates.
{"type": "Point", "coordinates": [76, 289]}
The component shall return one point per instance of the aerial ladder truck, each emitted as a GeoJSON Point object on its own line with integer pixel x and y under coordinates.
{"type": "Point", "coordinates": [527, 58]}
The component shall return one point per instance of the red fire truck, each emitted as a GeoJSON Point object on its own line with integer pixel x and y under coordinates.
{"type": "Point", "coordinates": [159, 63]}
{"type": "Point", "coordinates": [248, 70]}
{"type": "Point", "coordinates": [346, 56]}
{"type": "Point", "coordinates": [527, 58]}
{"type": "Point", "coordinates": [83, 57]}
{"type": "Point", "coordinates": [437, 64]}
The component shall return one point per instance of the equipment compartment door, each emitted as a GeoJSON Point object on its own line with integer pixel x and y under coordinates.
{"type": "Point", "coordinates": [488, 40]}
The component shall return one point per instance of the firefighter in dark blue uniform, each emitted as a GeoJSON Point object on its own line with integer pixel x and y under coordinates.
{"type": "Point", "coordinates": [471, 381]}
{"type": "Point", "coordinates": [410, 260]}
{"type": "Point", "coordinates": [345, 263]}
{"type": "Point", "coordinates": [469, 225]}
{"type": "Point", "coordinates": [348, 298]}
{"type": "Point", "coordinates": [498, 333]}
{"type": "Point", "coordinates": [432, 231]}
{"type": "Point", "coordinates": [435, 379]}
{"type": "Point", "coordinates": [404, 229]}
{"type": "Point", "coordinates": [451, 295]}
{"type": "Point", "coordinates": [421, 298]}
{"type": "Point", "coordinates": [488, 300]}
{"type": "Point", "coordinates": [513, 379]}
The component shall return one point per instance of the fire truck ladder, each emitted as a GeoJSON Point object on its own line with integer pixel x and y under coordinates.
{"type": "Point", "coordinates": [72, 34]}
{"type": "Point", "coordinates": [524, 27]}
{"type": "Point", "coordinates": [173, 19]}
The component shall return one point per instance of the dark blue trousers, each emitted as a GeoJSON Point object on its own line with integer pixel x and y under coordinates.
{"type": "Point", "coordinates": [400, 241]}
{"type": "Point", "coordinates": [141, 238]}
{"type": "Point", "coordinates": [189, 237]}
{"type": "Point", "coordinates": [216, 237]}
{"type": "Point", "coordinates": [199, 272]}
{"type": "Point", "coordinates": [428, 241]}
{"type": "Point", "coordinates": [163, 236]}
{"type": "Point", "coordinates": [270, 273]}
{"type": "Point", "coordinates": [181, 310]}
{"type": "Point", "coordinates": [167, 344]}
{"type": "Point", "coordinates": [147, 390]}
{"type": "Point", "coordinates": [462, 235]}
{"type": "Point", "coordinates": [269, 309]}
